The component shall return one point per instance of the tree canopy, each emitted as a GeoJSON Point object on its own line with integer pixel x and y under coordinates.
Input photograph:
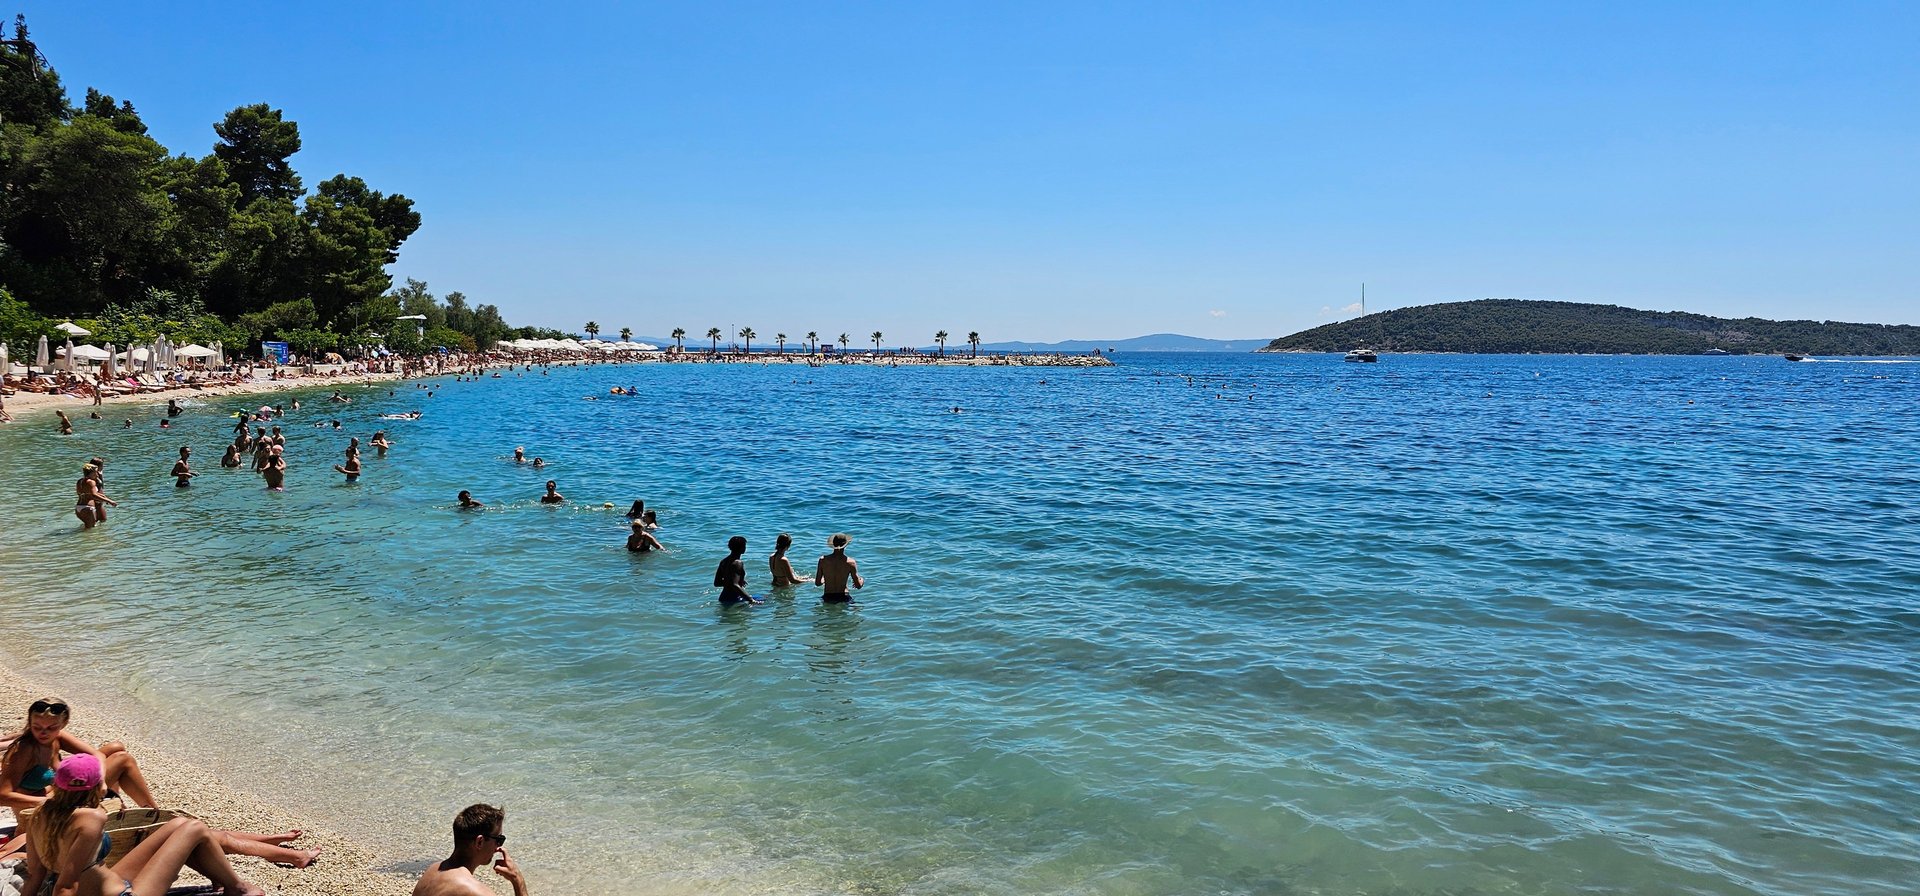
{"type": "Point", "coordinates": [98, 221]}
{"type": "Point", "coordinates": [1513, 326]}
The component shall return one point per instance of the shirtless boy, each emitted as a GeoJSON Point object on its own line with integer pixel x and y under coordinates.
{"type": "Point", "coordinates": [835, 569]}
{"type": "Point", "coordinates": [182, 473]}
{"type": "Point", "coordinates": [476, 841]}
{"type": "Point", "coordinates": [731, 575]}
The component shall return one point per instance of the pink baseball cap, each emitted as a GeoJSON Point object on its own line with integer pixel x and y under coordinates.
{"type": "Point", "coordinates": [79, 772]}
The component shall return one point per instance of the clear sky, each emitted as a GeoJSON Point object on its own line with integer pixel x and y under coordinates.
{"type": "Point", "coordinates": [1041, 171]}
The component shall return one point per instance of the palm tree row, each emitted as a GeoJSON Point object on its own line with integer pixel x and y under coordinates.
{"type": "Point", "coordinates": [812, 339]}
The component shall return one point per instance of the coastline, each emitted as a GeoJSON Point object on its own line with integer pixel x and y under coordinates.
{"type": "Point", "coordinates": [345, 866]}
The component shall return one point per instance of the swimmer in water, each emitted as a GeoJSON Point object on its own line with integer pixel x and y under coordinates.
{"type": "Point", "coordinates": [553, 495]}
{"type": "Point", "coordinates": [467, 502]}
{"type": "Point", "coordinates": [380, 443]}
{"type": "Point", "coordinates": [520, 454]}
{"type": "Point", "coordinates": [276, 470]}
{"type": "Point", "coordinates": [640, 540]}
{"type": "Point", "coordinates": [231, 459]}
{"type": "Point", "coordinates": [731, 575]}
{"type": "Point", "coordinates": [637, 511]}
{"type": "Point", "coordinates": [538, 463]}
{"type": "Point", "coordinates": [836, 569]}
{"type": "Point", "coordinates": [782, 568]}
{"type": "Point", "coordinates": [182, 473]}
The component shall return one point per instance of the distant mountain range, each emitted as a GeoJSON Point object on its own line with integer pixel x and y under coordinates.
{"type": "Point", "coordinates": [1515, 326]}
{"type": "Point", "coordinates": [1158, 342]}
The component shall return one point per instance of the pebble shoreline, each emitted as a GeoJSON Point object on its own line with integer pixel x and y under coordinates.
{"type": "Point", "coordinates": [345, 867]}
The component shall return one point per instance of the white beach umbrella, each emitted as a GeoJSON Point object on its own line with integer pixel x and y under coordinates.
{"type": "Point", "coordinates": [72, 329]}
{"type": "Point", "coordinates": [220, 354]}
{"type": "Point", "coordinates": [40, 357]}
{"type": "Point", "coordinates": [66, 357]}
{"type": "Point", "coordinates": [6, 364]}
{"type": "Point", "coordinates": [193, 352]}
{"type": "Point", "coordinates": [152, 362]}
{"type": "Point", "coordinates": [85, 352]}
{"type": "Point", "coordinates": [107, 370]}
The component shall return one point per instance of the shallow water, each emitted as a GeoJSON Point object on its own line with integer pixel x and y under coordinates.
{"type": "Point", "coordinates": [1194, 624]}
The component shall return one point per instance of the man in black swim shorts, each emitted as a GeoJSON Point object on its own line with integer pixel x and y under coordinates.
{"type": "Point", "coordinates": [836, 569]}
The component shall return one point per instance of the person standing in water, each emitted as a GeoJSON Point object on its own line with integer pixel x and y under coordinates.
{"type": "Point", "coordinates": [553, 495]}
{"type": "Point", "coordinates": [731, 575]}
{"type": "Point", "coordinates": [836, 569]}
{"type": "Point", "coordinates": [782, 568]}
{"type": "Point", "coordinates": [640, 540]}
{"type": "Point", "coordinates": [90, 502]}
{"type": "Point", "coordinates": [182, 473]}
{"type": "Point", "coordinates": [231, 459]}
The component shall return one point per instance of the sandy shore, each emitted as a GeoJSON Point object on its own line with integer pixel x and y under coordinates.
{"type": "Point", "coordinates": [26, 401]}
{"type": "Point", "coordinates": [344, 866]}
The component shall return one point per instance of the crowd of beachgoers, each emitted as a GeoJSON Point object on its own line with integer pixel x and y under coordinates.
{"type": "Point", "coordinates": [57, 781]}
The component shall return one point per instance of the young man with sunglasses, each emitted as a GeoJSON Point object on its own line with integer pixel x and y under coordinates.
{"type": "Point", "coordinates": [476, 841]}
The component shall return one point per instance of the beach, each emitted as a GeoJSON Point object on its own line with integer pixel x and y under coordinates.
{"type": "Point", "coordinates": [1190, 625]}
{"type": "Point", "coordinates": [198, 787]}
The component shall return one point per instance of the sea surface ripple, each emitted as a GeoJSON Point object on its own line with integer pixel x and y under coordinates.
{"type": "Point", "coordinates": [1194, 624]}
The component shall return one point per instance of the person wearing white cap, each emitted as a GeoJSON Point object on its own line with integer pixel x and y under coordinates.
{"type": "Point", "coordinates": [836, 569]}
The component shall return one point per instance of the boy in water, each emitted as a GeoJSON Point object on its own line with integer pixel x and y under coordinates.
{"type": "Point", "coordinates": [181, 472]}
{"type": "Point", "coordinates": [553, 495]}
{"type": "Point", "coordinates": [467, 502]}
{"type": "Point", "coordinates": [835, 569]}
{"type": "Point", "coordinates": [731, 575]}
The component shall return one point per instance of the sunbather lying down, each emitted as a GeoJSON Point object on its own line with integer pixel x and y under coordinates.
{"type": "Point", "coordinates": [27, 769]}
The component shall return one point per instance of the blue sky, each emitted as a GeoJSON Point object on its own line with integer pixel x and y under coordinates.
{"type": "Point", "coordinates": [1045, 170]}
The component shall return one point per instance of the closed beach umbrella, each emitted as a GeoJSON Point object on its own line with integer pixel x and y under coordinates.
{"type": "Point", "coordinates": [153, 358]}
{"type": "Point", "coordinates": [6, 363]}
{"type": "Point", "coordinates": [40, 357]}
{"type": "Point", "coordinates": [219, 354]}
{"type": "Point", "coordinates": [106, 370]}
{"type": "Point", "coordinates": [66, 359]}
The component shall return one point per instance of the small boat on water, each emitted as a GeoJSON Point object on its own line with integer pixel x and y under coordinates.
{"type": "Point", "coordinates": [1362, 354]}
{"type": "Point", "coordinates": [1796, 357]}
{"type": "Point", "coordinates": [1716, 351]}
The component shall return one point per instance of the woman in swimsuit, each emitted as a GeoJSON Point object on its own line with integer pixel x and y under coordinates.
{"type": "Point", "coordinates": [231, 459]}
{"type": "Point", "coordinates": [27, 768]}
{"type": "Point", "coordinates": [641, 540]}
{"type": "Point", "coordinates": [67, 837]}
{"type": "Point", "coordinates": [89, 501]}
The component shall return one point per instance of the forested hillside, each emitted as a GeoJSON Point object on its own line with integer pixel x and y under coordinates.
{"type": "Point", "coordinates": [1512, 326]}
{"type": "Point", "coordinates": [101, 224]}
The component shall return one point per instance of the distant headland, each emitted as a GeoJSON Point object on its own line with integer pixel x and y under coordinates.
{"type": "Point", "coordinates": [1514, 326]}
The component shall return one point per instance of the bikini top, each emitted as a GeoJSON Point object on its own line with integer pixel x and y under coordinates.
{"type": "Point", "coordinates": [36, 781]}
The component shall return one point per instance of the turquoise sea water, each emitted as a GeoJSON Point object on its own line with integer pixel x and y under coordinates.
{"type": "Point", "coordinates": [1192, 625]}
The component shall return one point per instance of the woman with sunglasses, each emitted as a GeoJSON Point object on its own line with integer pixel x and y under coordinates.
{"type": "Point", "coordinates": [67, 837]}
{"type": "Point", "coordinates": [26, 768]}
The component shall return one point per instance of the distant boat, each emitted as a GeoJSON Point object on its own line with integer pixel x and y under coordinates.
{"type": "Point", "coordinates": [1362, 354]}
{"type": "Point", "coordinates": [1716, 351]}
{"type": "Point", "coordinates": [1796, 357]}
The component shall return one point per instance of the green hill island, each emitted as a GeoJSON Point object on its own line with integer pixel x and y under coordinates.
{"type": "Point", "coordinates": [1515, 326]}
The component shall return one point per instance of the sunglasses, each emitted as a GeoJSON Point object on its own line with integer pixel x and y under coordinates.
{"type": "Point", "coordinates": [498, 839]}
{"type": "Point", "coordinates": [43, 708]}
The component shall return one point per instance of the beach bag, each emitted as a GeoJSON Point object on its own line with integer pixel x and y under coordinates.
{"type": "Point", "coordinates": [129, 825]}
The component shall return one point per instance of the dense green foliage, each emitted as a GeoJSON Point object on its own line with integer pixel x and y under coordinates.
{"type": "Point", "coordinates": [1511, 326]}
{"type": "Point", "coordinates": [100, 224]}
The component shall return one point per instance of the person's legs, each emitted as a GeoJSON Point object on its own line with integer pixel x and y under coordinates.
{"type": "Point", "coordinates": [123, 774]}
{"type": "Point", "coordinates": [258, 846]}
{"type": "Point", "coordinates": [85, 513]}
{"type": "Point", "coordinates": [152, 866]}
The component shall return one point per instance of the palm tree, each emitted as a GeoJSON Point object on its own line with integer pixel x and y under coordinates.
{"type": "Point", "coordinates": [973, 339]}
{"type": "Point", "coordinates": [626, 334]}
{"type": "Point", "coordinates": [813, 339]}
{"type": "Point", "coordinates": [713, 333]}
{"type": "Point", "coordinates": [782, 339]}
{"type": "Point", "coordinates": [678, 334]}
{"type": "Point", "coordinates": [593, 329]}
{"type": "Point", "coordinates": [843, 341]}
{"type": "Point", "coordinates": [747, 333]}
{"type": "Point", "coordinates": [941, 337]}
{"type": "Point", "coordinates": [876, 341]}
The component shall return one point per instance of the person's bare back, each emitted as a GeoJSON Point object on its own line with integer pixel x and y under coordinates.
{"type": "Point", "coordinates": [449, 878]}
{"type": "Point", "coordinates": [836, 569]}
